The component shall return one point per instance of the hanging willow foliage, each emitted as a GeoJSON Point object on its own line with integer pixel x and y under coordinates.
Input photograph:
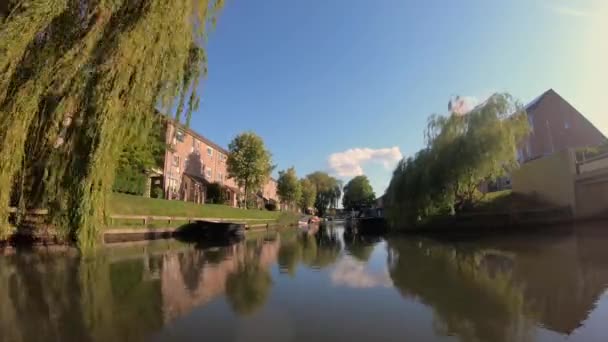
{"type": "Point", "coordinates": [78, 80]}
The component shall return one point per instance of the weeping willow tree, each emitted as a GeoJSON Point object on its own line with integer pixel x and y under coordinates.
{"type": "Point", "coordinates": [462, 151]}
{"type": "Point", "coordinates": [78, 80]}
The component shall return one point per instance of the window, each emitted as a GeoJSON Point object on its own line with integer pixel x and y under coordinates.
{"type": "Point", "coordinates": [222, 157]}
{"type": "Point", "coordinates": [196, 145]}
{"type": "Point", "coordinates": [566, 125]}
{"type": "Point", "coordinates": [209, 151]}
{"type": "Point", "coordinates": [220, 177]}
{"type": "Point", "coordinates": [209, 173]}
{"type": "Point", "coordinates": [179, 135]}
{"type": "Point", "coordinates": [176, 161]}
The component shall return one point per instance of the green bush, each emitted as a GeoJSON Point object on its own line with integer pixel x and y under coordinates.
{"type": "Point", "coordinates": [216, 194]}
{"type": "Point", "coordinates": [130, 182]}
{"type": "Point", "coordinates": [158, 192]}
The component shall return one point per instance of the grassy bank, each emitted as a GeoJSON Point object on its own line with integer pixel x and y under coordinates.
{"type": "Point", "coordinates": [121, 204]}
{"type": "Point", "coordinates": [498, 212]}
{"type": "Point", "coordinates": [506, 201]}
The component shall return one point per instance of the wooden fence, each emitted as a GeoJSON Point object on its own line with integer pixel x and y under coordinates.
{"type": "Point", "coordinates": [146, 219]}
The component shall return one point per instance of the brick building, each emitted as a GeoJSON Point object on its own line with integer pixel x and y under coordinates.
{"type": "Point", "coordinates": [192, 162]}
{"type": "Point", "coordinates": [556, 125]}
{"type": "Point", "coordinates": [269, 194]}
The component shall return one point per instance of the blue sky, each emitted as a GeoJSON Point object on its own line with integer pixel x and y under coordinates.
{"type": "Point", "coordinates": [316, 78]}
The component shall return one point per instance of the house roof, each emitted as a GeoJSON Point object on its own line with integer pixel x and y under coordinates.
{"type": "Point", "coordinates": [537, 101]}
{"type": "Point", "coordinates": [195, 134]}
{"type": "Point", "coordinates": [197, 178]}
{"type": "Point", "coordinates": [236, 190]}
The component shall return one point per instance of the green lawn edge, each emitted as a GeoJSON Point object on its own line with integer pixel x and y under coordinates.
{"type": "Point", "coordinates": [123, 204]}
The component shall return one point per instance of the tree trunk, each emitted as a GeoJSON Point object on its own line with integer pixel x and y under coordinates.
{"type": "Point", "coordinates": [246, 197]}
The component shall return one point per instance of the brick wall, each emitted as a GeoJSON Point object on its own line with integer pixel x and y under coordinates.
{"type": "Point", "coordinates": [556, 125]}
{"type": "Point", "coordinates": [193, 154]}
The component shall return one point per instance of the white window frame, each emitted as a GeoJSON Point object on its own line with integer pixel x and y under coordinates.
{"type": "Point", "coordinates": [209, 174]}
{"type": "Point", "coordinates": [210, 151]}
{"type": "Point", "coordinates": [175, 161]}
{"type": "Point", "coordinates": [180, 134]}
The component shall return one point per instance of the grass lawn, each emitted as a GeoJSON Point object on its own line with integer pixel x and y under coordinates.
{"type": "Point", "coordinates": [507, 201]}
{"type": "Point", "coordinates": [122, 204]}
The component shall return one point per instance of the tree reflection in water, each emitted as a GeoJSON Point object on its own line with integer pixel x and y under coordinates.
{"type": "Point", "coordinates": [290, 254]}
{"type": "Point", "coordinates": [316, 251]}
{"type": "Point", "coordinates": [359, 246]}
{"type": "Point", "coordinates": [33, 304]}
{"type": "Point", "coordinates": [247, 289]}
{"type": "Point", "coordinates": [467, 301]}
{"type": "Point", "coordinates": [500, 289]}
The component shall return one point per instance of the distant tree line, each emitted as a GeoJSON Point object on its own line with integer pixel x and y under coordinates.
{"type": "Point", "coordinates": [318, 191]}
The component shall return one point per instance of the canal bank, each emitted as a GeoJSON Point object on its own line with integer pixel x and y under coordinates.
{"type": "Point", "coordinates": [31, 236]}
{"type": "Point", "coordinates": [194, 231]}
{"type": "Point", "coordinates": [134, 217]}
{"type": "Point", "coordinates": [503, 213]}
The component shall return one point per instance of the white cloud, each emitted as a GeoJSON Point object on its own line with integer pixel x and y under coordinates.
{"type": "Point", "coordinates": [349, 163]}
{"type": "Point", "coordinates": [352, 273]}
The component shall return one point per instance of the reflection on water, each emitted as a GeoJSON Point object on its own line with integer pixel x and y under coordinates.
{"type": "Point", "coordinates": [301, 287]}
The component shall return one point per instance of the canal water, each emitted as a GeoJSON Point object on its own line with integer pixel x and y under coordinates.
{"type": "Point", "coordinates": [322, 286]}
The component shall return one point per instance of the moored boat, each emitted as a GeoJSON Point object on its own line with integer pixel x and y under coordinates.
{"type": "Point", "coordinates": [212, 230]}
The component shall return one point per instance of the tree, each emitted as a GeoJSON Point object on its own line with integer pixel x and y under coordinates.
{"type": "Point", "coordinates": [308, 196]}
{"type": "Point", "coordinates": [358, 194]}
{"type": "Point", "coordinates": [462, 151]}
{"type": "Point", "coordinates": [325, 187]}
{"type": "Point", "coordinates": [141, 154]}
{"type": "Point", "coordinates": [249, 162]}
{"type": "Point", "coordinates": [289, 188]}
{"type": "Point", "coordinates": [338, 192]}
{"type": "Point", "coordinates": [77, 79]}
